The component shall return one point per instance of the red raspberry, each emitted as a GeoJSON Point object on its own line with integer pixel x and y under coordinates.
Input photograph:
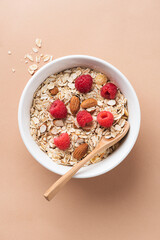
{"type": "Point", "coordinates": [63, 141]}
{"type": "Point", "coordinates": [84, 117]}
{"type": "Point", "coordinates": [84, 83]}
{"type": "Point", "coordinates": [58, 109]}
{"type": "Point", "coordinates": [105, 119]}
{"type": "Point", "coordinates": [109, 91]}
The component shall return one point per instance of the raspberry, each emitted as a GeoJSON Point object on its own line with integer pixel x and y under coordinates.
{"type": "Point", "coordinates": [109, 91]}
{"type": "Point", "coordinates": [83, 118]}
{"type": "Point", "coordinates": [58, 109]}
{"type": "Point", "coordinates": [105, 119]}
{"type": "Point", "coordinates": [84, 83]}
{"type": "Point", "coordinates": [63, 141]}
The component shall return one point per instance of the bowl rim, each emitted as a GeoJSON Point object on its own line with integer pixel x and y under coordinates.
{"type": "Point", "coordinates": [93, 174]}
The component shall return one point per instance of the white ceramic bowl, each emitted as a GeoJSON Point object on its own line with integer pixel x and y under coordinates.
{"type": "Point", "coordinates": [116, 76]}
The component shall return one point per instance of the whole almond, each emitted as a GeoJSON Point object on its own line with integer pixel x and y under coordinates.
{"type": "Point", "coordinates": [53, 91]}
{"type": "Point", "coordinates": [74, 104]}
{"type": "Point", "coordinates": [88, 103]}
{"type": "Point", "coordinates": [80, 151]}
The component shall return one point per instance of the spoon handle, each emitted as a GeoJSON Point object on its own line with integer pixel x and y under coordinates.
{"type": "Point", "coordinates": [55, 188]}
{"type": "Point", "coordinates": [102, 146]}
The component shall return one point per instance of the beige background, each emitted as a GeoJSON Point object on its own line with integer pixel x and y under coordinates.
{"type": "Point", "coordinates": [122, 204]}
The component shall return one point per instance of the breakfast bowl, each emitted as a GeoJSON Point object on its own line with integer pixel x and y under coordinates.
{"type": "Point", "coordinates": [121, 82]}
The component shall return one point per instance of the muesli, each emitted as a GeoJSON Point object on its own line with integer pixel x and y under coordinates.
{"type": "Point", "coordinates": [59, 91]}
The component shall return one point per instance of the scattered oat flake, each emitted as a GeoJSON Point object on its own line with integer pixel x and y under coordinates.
{"type": "Point", "coordinates": [46, 58]}
{"type": "Point", "coordinates": [51, 57]}
{"type": "Point", "coordinates": [13, 70]}
{"type": "Point", "coordinates": [38, 42]}
{"type": "Point", "coordinates": [30, 71]}
{"type": "Point", "coordinates": [33, 67]}
{"type": "Point", "coordinates": [26, 61]}
{"type": "Point", "coordinates": [41, 55]}
{"type": "Point", "coordinates": [9, 53]}
{"type": "Point", "coordinates": [35, 50]}
{"type": "Point", "coordinates": [29, 57]}
{"type": "Point", "coordinates": [38, 59]}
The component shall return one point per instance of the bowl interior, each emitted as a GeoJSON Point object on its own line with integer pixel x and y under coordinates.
{"type": "Point", "coordinates": [116, 76]}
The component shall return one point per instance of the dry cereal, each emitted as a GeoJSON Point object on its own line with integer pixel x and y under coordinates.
{"type": "Point", "coordinates": [44, 127]}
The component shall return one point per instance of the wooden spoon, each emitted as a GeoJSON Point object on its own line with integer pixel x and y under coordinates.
{"type": "Point", "coordinates": [102, 146]}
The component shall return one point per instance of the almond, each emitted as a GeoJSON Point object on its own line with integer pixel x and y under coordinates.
{"type": "Point", "coordinates": [53, 91]}
{"type": "Point", "coordinates": [80, 151]}
{"type": "Point", "coordinates": [88, 103]}
{"type": "Point", "coordinates": [74, 104]}
{"type": "Point", "coordinates": [58, 123]}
